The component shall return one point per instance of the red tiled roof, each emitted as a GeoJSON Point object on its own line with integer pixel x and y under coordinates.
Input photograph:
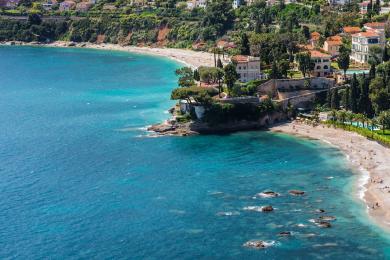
{"type": "Point", "coordinates": [334, 40]}
{"type": "Point", "coordinates": [351, 29]}
{"type": "Point", "coordinates": [366, 34]}
{"type": "Point", "coordinates": [315, 35]}
{"type": "Point", "coordinates": [375, 25]}
{"type": "Point", "coordinates": [318, 54]}
{"type": "Point", "coordinates": [240, 58]}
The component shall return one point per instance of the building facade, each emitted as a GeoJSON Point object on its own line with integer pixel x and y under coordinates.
{"type": "Point", "coordinates": [247, 67]}
{"type": "Point", "coordinates": [332, 45]}
{"type": "Point", "coordinates": [362, 42]}
{"type": "Point", "coordinates": [321, 62]}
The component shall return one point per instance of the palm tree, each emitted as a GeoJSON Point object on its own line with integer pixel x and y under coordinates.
{"type": "Point", "coordinates": [333, 114]}
{"type": "Point", "coordinates": [350, 117]}
{"type": "Point", "coordinates": [341, 116]}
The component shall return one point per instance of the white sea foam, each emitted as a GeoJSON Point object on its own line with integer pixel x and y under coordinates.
{"type": "Point", "coordinates": [228, 213]}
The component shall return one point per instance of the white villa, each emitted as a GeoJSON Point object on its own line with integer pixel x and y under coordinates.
{"type": "Point", "coordinates": [247, 67]}
{"type": "Point", "coordinates": [361, 43]}
{"type": "Point", "coordinates": [338, 2]}
{"type": "Point", "coordinates": [196, 3]}
{"type": "Point", "coordinates": [321, 61]}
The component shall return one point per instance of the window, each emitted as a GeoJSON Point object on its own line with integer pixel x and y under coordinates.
{"type": "Point", "coordinates": [373, 41]}
{"type": "Point", "coordinates": [325, 67]}
{"type": "Point", "coordinates": [318, 67]}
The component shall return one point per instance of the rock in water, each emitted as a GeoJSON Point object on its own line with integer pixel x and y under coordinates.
{"type": "Point", "coordinates": [296, 192]}
{"type": "Point", "coordinates": [267, 208]}
{"type": "Point", "coordinates": [327, 218]}
{"type": "Point", "coordinates": [323, 224]}
{"type": "Point", "coordinates": [285, 233]}
{"type": "Point", "coordinates": [267, 194]}
{"type": "Point", "coordinates": [258, 244]}
{"type": "Point", "coordinates": [320, 210]}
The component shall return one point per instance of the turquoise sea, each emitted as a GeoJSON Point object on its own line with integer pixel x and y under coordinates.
{"type": "Point", "coordinates": [80, 178]}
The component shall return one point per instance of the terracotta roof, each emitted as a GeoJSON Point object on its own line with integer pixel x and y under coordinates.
{"type": "Point", "coordinates": [366, 34]}
{"type": "Point", "coordinates": [365, 3]}
{"type": "Point", "coordinates": [240, 58]}
{"type": "Point", "coordinates": [318, 54]}
{"type": "Point", "coordinates": [375, 25]}
{"type": "Point", "coordinates": [351, 29]}
{"type": "Point", "coordinates": [315, 35]}
{"type": "Point", "coordinates": [334, 40]}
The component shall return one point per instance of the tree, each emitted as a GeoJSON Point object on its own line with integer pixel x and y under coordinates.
{"type": "Point", "coordinates": [186, 77]}
{"type": "Point", "coordinates": [335, 102]}
{"type": "Point", "coordinates": [343, 62]}
{"type": "Point", "coordinates": [364, 103]}
{"type": "Point", "coordinates": [305, 64]}
{"type": "Point", "coordinates": [346, 99]}
{"type": "Point", "coordinates": [375, 54]}
{"type": "Point", "coordinates": [354, 94]}
{"type": "Point", "coordinates": [231, 76]}
{"type": "Point", "coordinates": [385, 54]}
{"type": "Point", "coordinates": [274, 74]}
{"type": "Point", "coordinates": [244, 46]}
{"type": "Point", "coordinates": [384, 120]}
{"type": "Point", "coordinates": [306, 32]}
{"type": "Point", "coordinates": [196, 75]}
{"type": "Point", "coordinates": [372, 72]}
{"type": "Point", "coordinates": [329, 97]}
{"type": "Point", "coordinates": [219, 63]}
{"type": "Point", "coordinates": [34, 19]}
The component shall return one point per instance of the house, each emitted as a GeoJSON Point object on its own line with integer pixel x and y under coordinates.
{"type": "Point", "coordinates": [83, 6]}
{"type": "Point", "coordinates": [374, 26]}
{"type": "Point", "coordinates": [364, 7]}
{"type": "Point", "coordinates": [9, 3]}
{"type": "Point", "coordinates": [67, 5]}
{"type": "Point", "coordinates": [337, 2]}
{"type": "Point", "coordinates": [49, 4]}
{"type": "Point", "coordinates": [332, 45]}
{"type": "Point", "coordinates": [247, 67]}
{"type": "Point", "coordinates": [349, 30]}
{"type": "Point", "coordinates": [321, 62]}
{"type": "Point", "coordinates": [314, 38]}
{"type": "Point", "coordinates": [363, 41]}
{"type": "Point", "coordinates": [196, 4]}
{"type": "Point", "coordinates": [237, 3]}
{"type": "Point", "coordinates": [226, 45]}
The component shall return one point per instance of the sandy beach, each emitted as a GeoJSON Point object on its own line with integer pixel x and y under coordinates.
{"type": "Point", "coordinates": [189, 58]}
{"type": "Point", "coordinates": [369, 158]}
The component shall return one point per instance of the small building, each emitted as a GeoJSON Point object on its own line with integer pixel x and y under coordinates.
{"type": "Point", "coordinates": [337, 2]}
{"type": "Point", "coordinates": [226, 45]}
{"type": "Point", "coordinates": [363, 6]}
{"type": "Point", "coordinates": [315, 38]}
{"type": "Point", "coordinates": [332, 45]}
{"type": "Point", "coordinates": [11, 4]}
{"type": "Point", "coordinates": [321, 62]}
{"type": "Point", "coordinates": [237, 3]}
{"type": "Point", "coordinates": [83, 6]}
{"type": "Point", "coordinates": [362, 42]}
{"type": "Point", "coordinates": [247, 67]}
{"type": "Point", "coordinates": [349, 30]}
{"type": "Point", "coordinates": [67, 5]}
{"type": "Point", "coordinates": [375, 26]}
{"type": "Point", "coordinates": [191, 4]}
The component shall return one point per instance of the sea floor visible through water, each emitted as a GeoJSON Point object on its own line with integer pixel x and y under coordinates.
{"type": "Point", "coordinates": [81, 179]}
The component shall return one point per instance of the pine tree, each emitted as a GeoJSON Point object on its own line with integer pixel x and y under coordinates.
{"type": "Point", "coordinates": [346, 101]}
{"type": "Point", "coordinates": [372, 71]}
{"type": "Point", "coordinates": [335, 102]}
{"type": "Point", "coordinates": [219, 63]}
{"type": "Point", "coordinates": [354, 95]}
{"type": "Point", "coordinates": [385, 54]}
{"type": "Point", "coordinates": [245, 49]}
{"type": "Point", "coordinates": [364, 99]}
{"type": "Point", "coordinates": [328, 97]}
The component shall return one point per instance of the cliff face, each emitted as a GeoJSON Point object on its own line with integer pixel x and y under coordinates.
{"type": "Point", "coordinates": [198, 127]}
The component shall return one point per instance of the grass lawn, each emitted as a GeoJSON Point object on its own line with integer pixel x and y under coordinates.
{"type": "Point", "coordinates": [295, 74]}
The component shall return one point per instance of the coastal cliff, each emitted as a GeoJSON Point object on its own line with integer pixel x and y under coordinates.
{"type": "Point", "coordinates": [175, 128]}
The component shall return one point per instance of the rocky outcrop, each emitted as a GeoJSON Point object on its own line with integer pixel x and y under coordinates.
{"type": "Point", "coordinates": [258, 244]}
{"type": "Point", "coordinates": [296, 192]}
{"type": "Point", "coordinates": [267, 208]}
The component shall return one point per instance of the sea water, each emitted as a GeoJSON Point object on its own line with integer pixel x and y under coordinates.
{"type": "Point", "coordinates": [81, 179]}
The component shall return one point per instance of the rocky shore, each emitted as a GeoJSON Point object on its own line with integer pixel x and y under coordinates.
{"type": "Point", "coordinates": [173, 127]}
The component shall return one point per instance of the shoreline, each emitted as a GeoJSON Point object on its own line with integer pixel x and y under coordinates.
{"type": "Point", "coordinates": [369, 159]}
{"type": "Point", "coordinates": [190, 58]}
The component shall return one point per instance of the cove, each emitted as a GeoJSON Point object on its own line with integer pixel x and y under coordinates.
{"type": "Point", "coordinates": [81, 179]}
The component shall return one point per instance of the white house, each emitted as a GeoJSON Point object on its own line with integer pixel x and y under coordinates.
{"type": "Point", "coordinates": [338, 2]}
{"type": "Point", "coordinates": [247, 67]}
{"type": "Point", "coordinates": [363, 41]}
{"type": "Point", "coordinates": [321, 61]}
{"type": "Point", "coordinates": [196, 3]}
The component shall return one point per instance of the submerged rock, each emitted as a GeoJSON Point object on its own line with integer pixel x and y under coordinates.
{"type": "Point", "coordinates": [267, 208]}
{"type": "Point", "coordinates": [258, 244]}
{"type": "Point", "coordinates": [296, 192]}
{"type": "Point", "coordinates": [323, 224]}
{"type": "Point", "coordinates": [320, 210]}
{"type": "Point", "coordinates": [285, 233]}
{"type": "Point", "coordinates": [327, 218]}
{"type": "Point", "coordinates": [267, 194]}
